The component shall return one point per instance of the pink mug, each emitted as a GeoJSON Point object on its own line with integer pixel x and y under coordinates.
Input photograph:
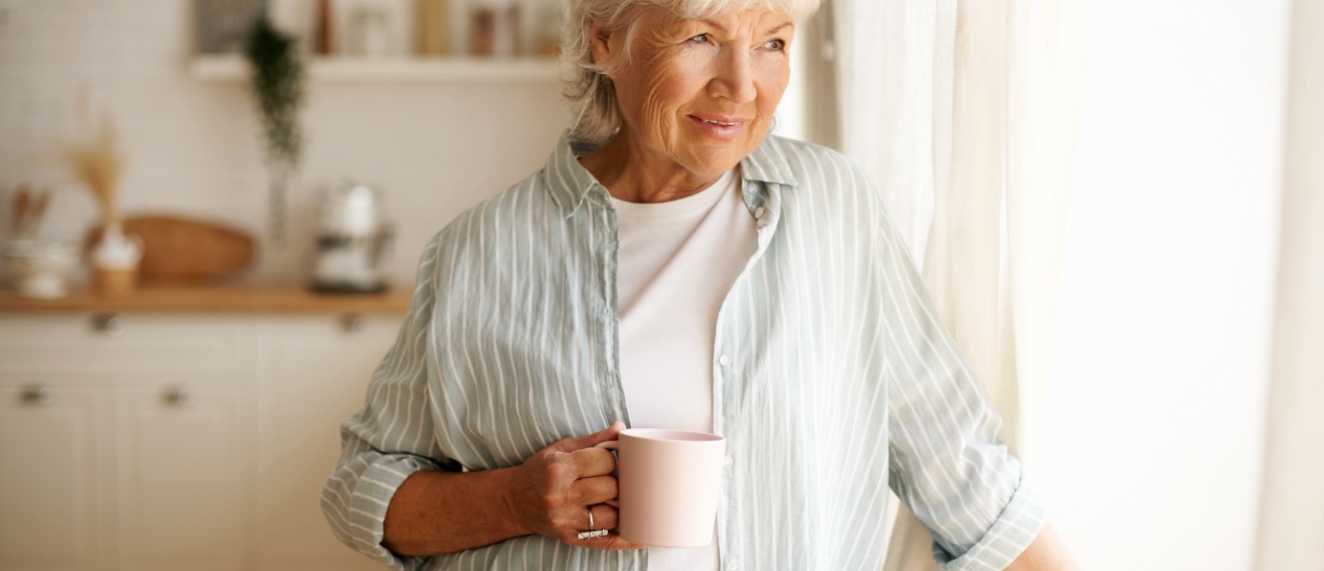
{"type": "Point", "coordinates": [670, 481]}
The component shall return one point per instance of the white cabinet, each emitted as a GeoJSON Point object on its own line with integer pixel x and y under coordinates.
{"type": "Point", "coordinates": [179, 479]}
{"type": "Point", "coordinates": [313, 374]}
{"type": "Point", "coordinates": [177, 442]}
{"type": "Point", "coordinates": [49, 476]}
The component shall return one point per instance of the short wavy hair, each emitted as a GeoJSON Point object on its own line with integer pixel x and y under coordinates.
{"type": "Point", "coordinates": [591, 94]}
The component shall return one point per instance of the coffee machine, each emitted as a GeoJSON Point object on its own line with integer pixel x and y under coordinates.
{"type": "Point", "coordinates": [353, 239]}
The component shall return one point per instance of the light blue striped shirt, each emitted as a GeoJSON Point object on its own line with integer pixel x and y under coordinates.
{"type": "Point", "coordinates": [832, 378]}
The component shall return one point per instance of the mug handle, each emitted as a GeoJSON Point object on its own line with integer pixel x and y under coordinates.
{"type": "Point", "coordinates": [614, 446]}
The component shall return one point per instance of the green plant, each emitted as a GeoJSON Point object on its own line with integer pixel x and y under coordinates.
{"type": "Point", "coordinates": [278, 82]}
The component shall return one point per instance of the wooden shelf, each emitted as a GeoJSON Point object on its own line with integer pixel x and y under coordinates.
{"type": "Point", "coordinates": [229, 68]}
{"type": "Point", "coordinates": [238, 298]}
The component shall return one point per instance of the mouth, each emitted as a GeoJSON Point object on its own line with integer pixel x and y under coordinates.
{"type": "Point", "coordinates": [717, 126]}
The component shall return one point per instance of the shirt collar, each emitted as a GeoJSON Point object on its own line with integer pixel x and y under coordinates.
{"type": "Point", "coordinates": [569, 182]}
{"type": "Point", "coordinates": [767, 163]}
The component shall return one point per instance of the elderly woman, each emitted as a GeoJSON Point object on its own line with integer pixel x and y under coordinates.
{"type": "Point", "coordinates": [673, 265]}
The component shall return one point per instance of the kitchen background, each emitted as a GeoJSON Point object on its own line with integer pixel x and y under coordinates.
{"type": "Point", "coordinates": [434, 146]}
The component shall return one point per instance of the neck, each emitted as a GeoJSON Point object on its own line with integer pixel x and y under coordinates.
{"type": "Point", "coordinates": [635, 173]}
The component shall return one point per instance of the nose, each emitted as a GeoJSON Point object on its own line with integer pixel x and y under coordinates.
{"type": "Point", "coordinates": [734, 78]}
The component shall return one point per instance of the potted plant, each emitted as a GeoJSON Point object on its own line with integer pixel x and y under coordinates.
{"type": "Point", "coordinates": [98, 164]}
{"type": "Point", "coordinates": [278, 92]}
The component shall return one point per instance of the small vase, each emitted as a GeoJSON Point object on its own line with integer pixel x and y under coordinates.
{"type": "Point", "coordinates": [115, 262]}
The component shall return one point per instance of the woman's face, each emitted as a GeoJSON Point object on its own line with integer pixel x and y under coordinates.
{"type": "Point", "coordinates": [701, 92]}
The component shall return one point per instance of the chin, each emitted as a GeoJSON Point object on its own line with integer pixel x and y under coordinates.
{"type": "Point", "coordinates": [714, 165]}
{"type": "Point", "coordinates": [714, 159]}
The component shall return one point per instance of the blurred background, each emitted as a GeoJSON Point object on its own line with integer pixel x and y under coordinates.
{"type": "Point", "coordinates": [171, 383]}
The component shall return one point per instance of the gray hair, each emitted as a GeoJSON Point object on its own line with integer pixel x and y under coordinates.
{"type": "Point", "coordinates": [591, 94]}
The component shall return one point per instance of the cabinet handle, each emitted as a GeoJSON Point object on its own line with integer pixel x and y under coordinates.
{"type": "Point", "coordinates": [355, 324]}
{"type": "Point", "coordinates": [37, 395]}
{"type": "Point", "coordinates": [179, 396]}
{"type": "Point", "coordinates": [108, 324]}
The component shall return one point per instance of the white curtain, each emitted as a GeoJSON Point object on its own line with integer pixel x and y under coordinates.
{"type": "Point", "coordinates": [1291, 527]}
{"type": "Point", "coordinates": [964, 113]}
{"type": "Point", "coordinates": [898, 52]}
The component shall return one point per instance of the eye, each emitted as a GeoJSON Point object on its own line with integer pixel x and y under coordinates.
{"type": "Point", "coordinates": [776, 45]}
{"type": "Point", "coordinates": [701, 38]}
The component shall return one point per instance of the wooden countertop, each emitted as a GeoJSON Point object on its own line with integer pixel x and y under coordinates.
{"type": "Point", "coordinates": [229, 298]}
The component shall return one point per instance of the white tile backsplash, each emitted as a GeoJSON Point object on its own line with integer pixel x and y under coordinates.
{"type": "Point", "coordinates": [434, 148]}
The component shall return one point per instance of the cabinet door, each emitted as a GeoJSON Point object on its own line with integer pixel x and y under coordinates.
{"type": "Point", "coordinates": [313, 373]}
{"type": "Point", "coordinates": [49, 516]}
{"type": "Point", "coordinates": [180, 475]}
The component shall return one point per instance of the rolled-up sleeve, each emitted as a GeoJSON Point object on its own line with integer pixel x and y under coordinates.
{"type": "Point", "coordinates": [946, 461]}
{"type": "Point", "coordinates": [391, 438]}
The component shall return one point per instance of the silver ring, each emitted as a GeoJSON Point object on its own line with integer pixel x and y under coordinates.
{"type": "Point", "coordinates": [591, 533]}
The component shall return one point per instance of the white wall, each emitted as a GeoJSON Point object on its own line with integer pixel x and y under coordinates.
{"type": "Point", "coordinates": [1153, 436]}
{"type": "Point", "coordinates": [434, 148]}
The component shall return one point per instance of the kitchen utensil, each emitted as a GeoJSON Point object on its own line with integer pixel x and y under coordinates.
{"type": "Point", "coordinates": [222, 25]}
{"type": "Point", "coordinates": [433, 27]}
{"type": "Point", "coordinates": [40, 269]}
{"type": "Point", "coordinates": [185, 250]}
{"type": "Point", "coordinates": [353, 239]}
{"type": "Point", "coordinates": [369, 31]}
{"type": "Point", "coordinates": [28, 208]}
{"type": "Point", "coordinates": [494, 28]}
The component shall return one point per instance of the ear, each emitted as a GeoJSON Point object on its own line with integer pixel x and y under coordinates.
{"type": "Point", "coordinates": [600, 41]}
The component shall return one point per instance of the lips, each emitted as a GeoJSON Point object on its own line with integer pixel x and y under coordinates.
{"type": "Point", "coordinates": [718, 126]}
{"type": "Point", "coordinates": [724, 124]}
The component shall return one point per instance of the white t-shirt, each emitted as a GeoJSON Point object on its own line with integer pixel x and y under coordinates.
{"type": "Point", "coordinates": [676, 261]}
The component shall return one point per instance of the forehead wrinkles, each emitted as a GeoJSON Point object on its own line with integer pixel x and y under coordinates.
{"type": "Point", "coordinates": [664, 26]}
{"type": "Point", "coordinates": [666, 30]}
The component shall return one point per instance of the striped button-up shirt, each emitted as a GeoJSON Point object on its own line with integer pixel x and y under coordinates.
{"type": "Point", "coordinates": [833, 378]}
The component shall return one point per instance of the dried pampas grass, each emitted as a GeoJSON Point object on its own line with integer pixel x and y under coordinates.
{"type": "Point", "coordinates": [98, 164]}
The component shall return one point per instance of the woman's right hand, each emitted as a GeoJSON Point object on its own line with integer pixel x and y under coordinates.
{"type": "Point", "coordinates": [556, 487]}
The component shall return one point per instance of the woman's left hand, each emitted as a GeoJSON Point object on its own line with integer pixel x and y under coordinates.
{"type": "Point", "coordinates": [557, 486]}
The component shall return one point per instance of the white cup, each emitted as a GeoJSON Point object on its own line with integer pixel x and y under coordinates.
{"type": "Point", "coordinates": [670, 481]}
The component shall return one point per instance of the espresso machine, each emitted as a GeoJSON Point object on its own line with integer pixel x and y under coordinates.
{"type": "Point", "coordinates": [353, 239]}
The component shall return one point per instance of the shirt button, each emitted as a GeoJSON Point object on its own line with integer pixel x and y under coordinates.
{"type": "Point", "coordinates": [733, 564]}
{"type": "Point", "coordinates": [758, 213]}
{"type": "Point", "coordinates": [724, 360]}
{"type": "Point", "coordinates": [729, 462]}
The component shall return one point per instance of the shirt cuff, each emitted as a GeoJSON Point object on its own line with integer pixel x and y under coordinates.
{"type": "Point", "coordinates": [1010, 534]}
{"type": "Point", "coordinates": [372, 495]}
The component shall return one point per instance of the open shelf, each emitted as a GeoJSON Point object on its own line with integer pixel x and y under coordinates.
{"type": "Point", "coordinates": [455, 68]}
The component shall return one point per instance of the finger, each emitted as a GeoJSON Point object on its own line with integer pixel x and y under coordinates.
{"type": "Point", "coordinates": [590, 462]}
{"type": "Point", "coordinates": [604, 517]}
{"type": "Point", "coordinates": [595, 490]}
{"type": "Point", "coordinates": [609, 542]}
{"type": "Point", "coordinates": [582, 442]}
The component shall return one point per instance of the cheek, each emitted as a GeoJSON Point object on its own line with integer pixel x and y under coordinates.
{"type": "Point", "coordinates": [773, 77]}
{"type": "Point", "coordinates": [670, 90]}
